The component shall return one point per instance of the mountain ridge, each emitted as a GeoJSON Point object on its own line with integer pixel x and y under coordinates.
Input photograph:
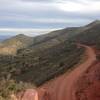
{"type": "Point", "coordinates": [22, 41]}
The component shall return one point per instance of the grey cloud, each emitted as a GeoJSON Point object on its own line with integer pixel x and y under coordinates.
{"type": "Point", "coordinates": [38, 0]}
{"type": "Point", "coordinates": [20, 14]}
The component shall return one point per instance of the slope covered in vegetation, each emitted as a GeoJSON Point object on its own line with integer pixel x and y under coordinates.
{"type": "Point", "coordinates": [42, 65]}
{"type": "Point", "coordinates": [90, 36]}
{"type": "Point", "coordinates": [35, 68]}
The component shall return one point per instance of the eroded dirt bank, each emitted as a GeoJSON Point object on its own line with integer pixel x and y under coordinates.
{"type": "Point", "coordinates": [88, 85]}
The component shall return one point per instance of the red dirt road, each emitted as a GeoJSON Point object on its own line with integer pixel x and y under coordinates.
{"type": "Point", "coordinates": [63, 87]}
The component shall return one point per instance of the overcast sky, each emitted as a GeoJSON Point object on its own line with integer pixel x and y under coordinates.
{"type": "Point", "coordinates": [39, 16]}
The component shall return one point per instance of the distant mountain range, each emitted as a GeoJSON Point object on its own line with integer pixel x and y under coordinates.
{"type": "Point", "coordinates": [4, 37]}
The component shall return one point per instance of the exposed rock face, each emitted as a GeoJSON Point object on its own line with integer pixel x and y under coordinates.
{"type": "Point", "coordinates": [13, 97]}
{"type": "Point", "coordinates": [30, 94]}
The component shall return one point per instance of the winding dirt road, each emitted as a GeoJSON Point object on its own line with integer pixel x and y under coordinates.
{"type": "Point", "coordinates": [63, 87]}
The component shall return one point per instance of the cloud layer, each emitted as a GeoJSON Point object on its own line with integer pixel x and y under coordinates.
{"type": "Point", "coordinates": [47, 14]}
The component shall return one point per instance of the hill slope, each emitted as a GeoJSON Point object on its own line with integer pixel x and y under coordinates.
{"type": "Point", "coordinates": [11, 45]}
{"type": "Point", "coordinates": [90, 36]}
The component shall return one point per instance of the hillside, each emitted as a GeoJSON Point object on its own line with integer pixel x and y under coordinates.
{"type": "Point", "coordinates": [35, 60]}
{"type": "Point", "coordinates": [44, 64]}
{"type": "Point", "coordinates": [88, 33]}
{"type": "Point", "coordinates": [83, 83]}
{"type": "Point", "coordinates": [36, 63]}
{"type": "Point", "coordinates": [25, 40]}
{"type": "Point", "coordinates": [90, 36]}
{"type": "Point", "coordinates": [37, 66]}
{"type": "Point", "coordinates": [64, 86]}
{"type": "Point", "coordinates": [11, 45]}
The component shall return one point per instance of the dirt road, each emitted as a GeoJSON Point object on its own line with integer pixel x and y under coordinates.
{"type": "Point", "coordinates": [63, 87]}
